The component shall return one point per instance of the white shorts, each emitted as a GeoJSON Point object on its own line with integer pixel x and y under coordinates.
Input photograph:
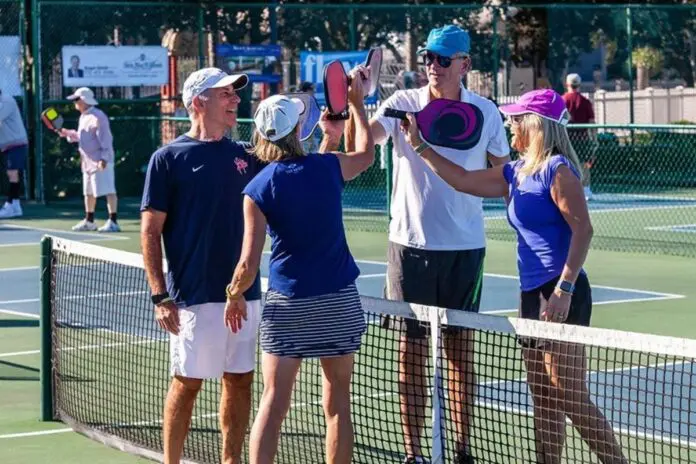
{"type": "Point", "coordinates": [205, 348]}
{"type": "Point", "coordinates": [99, 183]}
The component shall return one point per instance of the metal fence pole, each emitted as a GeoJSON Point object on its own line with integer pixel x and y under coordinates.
{"type": "Point", "coordinates": [496, 54]}
{"type": "Point", "coordinates": [273, 19]}
{"type": "Point", "coordinates": [201, 37]}
{"type": "Point", "coordinates": [37, 89]}
{"type": "Point", "coordinates": [352, 31]}
{"type": "Point", "coordinates": [27, 174]}
{"type": "Point", "coordinates": [629, 31]}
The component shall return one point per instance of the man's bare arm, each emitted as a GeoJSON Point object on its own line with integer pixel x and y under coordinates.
{"type": "Point", "coordinates": [497, 161]}
{"type": "Point", "coordinates": [378, 133]}
{"type": "Point", "coordinates": [151, 243]}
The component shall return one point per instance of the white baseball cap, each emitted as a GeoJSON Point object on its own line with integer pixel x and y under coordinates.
{"type": "Point", "coordinates": [573, 79]}
{"type": "Point", "coordinates": [85, 94]}
{"type": "Point", "coordinates": [210, 78]}
{"type": "Point", "coordinates": [277, 116]}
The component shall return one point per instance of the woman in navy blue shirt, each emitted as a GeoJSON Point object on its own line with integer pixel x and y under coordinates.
{"type": "Point", "coordinates": [312, 307]}
{"type": "Point", "coordinates": [547, 209]}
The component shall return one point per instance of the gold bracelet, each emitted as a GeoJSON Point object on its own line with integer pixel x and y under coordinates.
{"type": "Point", "coordinates": [230, 294]}
{"type": "Point", "coordinates": [422, 147]}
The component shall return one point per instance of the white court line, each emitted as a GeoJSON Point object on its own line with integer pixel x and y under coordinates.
{"type": "Point", "coordinates": [675, 228]}
{"type": "Point", "coordinates": [19, 353]}
{"type": "Point", "coordinates": [34, 434]}
{"type": "Point", "coordinates": [22, 268]}
{"type": "Point", "coordinates": [19, 313]}
{"type": "Point", "coordinates": [370, 276]}
{"type": "Point", "coordinates": [26, 300]}
{"type": "Point", "coordinates": [91, 237]}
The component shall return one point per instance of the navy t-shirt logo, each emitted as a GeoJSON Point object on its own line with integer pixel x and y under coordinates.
{"type": "Point", "coordinates": [241, 165]}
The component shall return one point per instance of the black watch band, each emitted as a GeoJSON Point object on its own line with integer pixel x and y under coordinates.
{"type": "Point", "coordinates": [159, 298]}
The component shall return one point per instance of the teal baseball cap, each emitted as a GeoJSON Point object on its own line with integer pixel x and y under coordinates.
{"type": "Point", "coordinates": [447, 41]}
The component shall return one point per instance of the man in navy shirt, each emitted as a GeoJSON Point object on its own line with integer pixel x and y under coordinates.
{"type": "Point", "coordinates": [193, 201]}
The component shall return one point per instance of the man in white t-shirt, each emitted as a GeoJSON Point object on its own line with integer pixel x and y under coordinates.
{"type": "Point", "coordinates": [436, 237]}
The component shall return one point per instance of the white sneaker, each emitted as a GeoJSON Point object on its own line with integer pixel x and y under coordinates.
{"type": "Point", "coordinates": [588, 193]}
{"type": "Point", "coordinates": [109, 226]}
{"type": "Point", "coordinates": [11, 210]}
{"type": "Point", "coordinates": [84, 226]}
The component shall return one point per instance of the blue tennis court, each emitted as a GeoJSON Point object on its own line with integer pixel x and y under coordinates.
{"type": "Point", "coordinates": [656, 402]}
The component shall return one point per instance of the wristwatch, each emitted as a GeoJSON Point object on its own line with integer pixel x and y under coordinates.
{"type": "Point", "coordinates": [160, 298]}
{"type": "Point", "coordinates": [565, 286]}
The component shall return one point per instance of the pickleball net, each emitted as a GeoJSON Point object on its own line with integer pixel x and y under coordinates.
{"type": "Point", "coordinates": [110, 374]}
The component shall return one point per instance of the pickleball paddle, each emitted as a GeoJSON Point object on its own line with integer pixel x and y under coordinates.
{"type": "Point", "coordinates": [336, 83]}
{"type": "Point", "coordinates": [447, 123]}
{"type": "Point", "coordinates": [52, 119]}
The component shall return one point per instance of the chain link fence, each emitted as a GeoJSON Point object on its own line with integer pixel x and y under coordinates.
{"type": "Point", "coordinates": [641, 181]}
{"type": "Point", "coordinates": [638, 67]}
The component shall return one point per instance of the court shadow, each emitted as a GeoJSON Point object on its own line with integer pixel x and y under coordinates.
{"type": "Point", "coordinates": [14, 323]}
{"type": "Point", "coordinates": [18, 372]}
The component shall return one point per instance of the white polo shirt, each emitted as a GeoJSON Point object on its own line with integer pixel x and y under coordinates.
{"type": "Point", "coordinates": [426, 212]}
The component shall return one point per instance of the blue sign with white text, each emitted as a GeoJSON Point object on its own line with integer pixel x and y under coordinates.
{"type": "Point", "coordinates": [234, 50]}
{"type": "Point", "coordinates": [312, 69]}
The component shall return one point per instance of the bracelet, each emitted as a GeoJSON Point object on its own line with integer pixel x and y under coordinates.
{"type": "Point", "coordinates": [230, 293]}
{"type": "Point", "coordinates": [422, 147]}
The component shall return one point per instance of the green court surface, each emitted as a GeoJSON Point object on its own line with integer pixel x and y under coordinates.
{"type": "Point", "coordinates": [24, 439]}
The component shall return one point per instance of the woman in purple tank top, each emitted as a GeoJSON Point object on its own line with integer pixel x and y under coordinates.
{"type": "Point", "coordinates": [548, 210]}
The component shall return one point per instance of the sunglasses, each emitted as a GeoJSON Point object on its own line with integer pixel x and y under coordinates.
{"type": "Point", "coordinates": [444, 61]}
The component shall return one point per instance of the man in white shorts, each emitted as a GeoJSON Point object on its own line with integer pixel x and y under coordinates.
{"type": "Point", "coordinates": [96, 145]}
{"type": "Point", "coordinates": [193, 201]}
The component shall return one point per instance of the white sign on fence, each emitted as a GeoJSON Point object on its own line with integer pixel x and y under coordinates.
{"type": "Point", "coordinates": [10, 60]}
{"type": "Point", "coordinates": [123, 66]}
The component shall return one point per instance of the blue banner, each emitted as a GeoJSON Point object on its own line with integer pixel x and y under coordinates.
{"type": "Point", "coordinates": [264, 78]}
{"type": "Point", "coordinates": [234, 50]}
{"type": "Point", "coordinates": [312, 69]}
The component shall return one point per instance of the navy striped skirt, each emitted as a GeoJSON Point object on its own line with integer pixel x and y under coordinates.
{"type": "Point", "coordinates": [315, 327]}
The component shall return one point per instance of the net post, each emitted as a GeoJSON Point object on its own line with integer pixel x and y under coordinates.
{"type": "Point", "coordinates": [46, 326]}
